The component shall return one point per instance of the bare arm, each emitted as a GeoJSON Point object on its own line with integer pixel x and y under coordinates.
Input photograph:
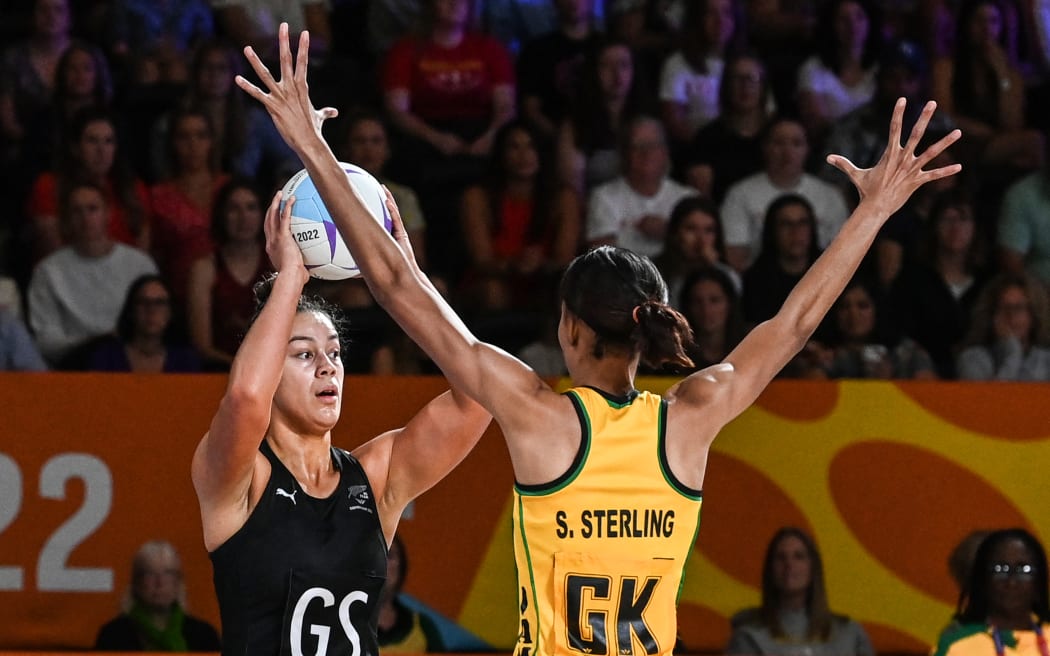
{"type": "Point", "coordinates": [503, 385]}
{"type": "Point", "coordinates": [199, 309]}
{"type": "Point", "coordinates": [883, 189]}
{"type": "Point", "coordinates": [224, 463]}
{"type": "Point", "coordinates": [404, 463]}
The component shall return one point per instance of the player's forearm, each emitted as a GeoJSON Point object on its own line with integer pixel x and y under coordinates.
{"type": "Point", "coordinates": [816, 292]}
{"type": "Point", "coordinates": [257, 366]}
{"type": "Point", "coordinates": [382, 262]}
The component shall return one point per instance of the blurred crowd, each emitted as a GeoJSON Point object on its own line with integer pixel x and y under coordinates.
{"type": "Point", "coordinates": [515, 134]}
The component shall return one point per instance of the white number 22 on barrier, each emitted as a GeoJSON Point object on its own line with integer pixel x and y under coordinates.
{"type": "Point", "coordinates": [52, 572]}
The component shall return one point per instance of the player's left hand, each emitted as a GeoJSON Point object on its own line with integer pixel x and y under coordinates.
{"type": "Point", "coordinates": [288, 101]}
{"type": "Point", "coordinates": [280, 244]}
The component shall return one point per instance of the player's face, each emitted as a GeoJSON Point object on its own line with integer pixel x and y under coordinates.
{"type": "Point", "coordinates": [1012, 593]}
{"type": "Point", "coordinates": [697, 235]}
{"type": "Point", "coordinates": [792, 566]}
{"type": "Point", "coordinates": [152, 310]}
{"type": "Point", "coordinates": [97, 148]}
{"type": "Point", "coordinates": [856, 314]}
{"type": "Point", "coordinates": [88, 218]}
{"type": "Point", "coordinates": [309, 395]}
{"type": "Point", "coordinates": [244, 216]}
{"type": "Point", "coordinates": [157, 583]}
{"type": "Point", "coordinates": [368, 147]}
{"type": "Point", "coordinates": [192, 142]}
{"type": "Point", "coordinates": [709, 306]}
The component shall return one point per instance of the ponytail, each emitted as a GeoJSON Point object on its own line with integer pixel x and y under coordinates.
{"type": "Point", "coordinates": [662, 334]}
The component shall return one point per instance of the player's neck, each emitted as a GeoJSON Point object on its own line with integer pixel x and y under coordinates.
{"type": "Point", "coordinates": [610, 374]}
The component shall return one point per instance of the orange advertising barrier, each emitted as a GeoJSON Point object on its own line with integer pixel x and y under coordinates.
{"type": "Point", "coordinates": [888, 477]}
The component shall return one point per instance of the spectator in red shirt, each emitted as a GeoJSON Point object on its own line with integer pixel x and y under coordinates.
{"type": "Point", "coordinates": [447, 92]}
{"type": "Point", "coordinates": [90, 154]}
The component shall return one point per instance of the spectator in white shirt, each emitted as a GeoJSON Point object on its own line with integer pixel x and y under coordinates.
{"type": "Point", "coordinates": [76, 293]}
{"type": "Point", "coordinates": [632, 210]}
{"type": "Point", "coordinates": [784, 149]}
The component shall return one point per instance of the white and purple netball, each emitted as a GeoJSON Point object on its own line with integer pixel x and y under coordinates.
{"type": "Point", "coordinates": [324, 252]}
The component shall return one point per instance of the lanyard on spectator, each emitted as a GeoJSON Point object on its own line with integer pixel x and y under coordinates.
{"type": "Point", "coordinates": [1040, 640]}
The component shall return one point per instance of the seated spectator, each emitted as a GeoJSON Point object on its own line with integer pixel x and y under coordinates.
{"type": "Point", "coordinates": [1023, 233]}
{"type": "Point", "coordinates": [1005, 609]}
{"type": "Point", "coordinates": [367, 145]}
{"type": "Point", "coordinates": [711, 303]}
{"type": "Point", "coordinates": [610, 97]}
{"type": "Point", "coordinates": [550, 67]}
{"type": "Point", "coordinates": [247, 143]}
{"type": "Point", "coordinates": [649, 28]}
{"type": "Point", "coordinates": [632, 210]}
{"type": "Point", "coordinates": [982, 88]}
{"type": "Point", "coordinates": [692, 75]}
{"type": "Point", "coordinates": [76, 293]}
{"type": "Point", "coordinates": [520, 229]}
{"type": "Point", "coordinates": [795, 617]}
{"type": "Point", "coordinates": [864, 345]}
{"type": "Point", "coordinates": [27, 79]}
{"type": "Point", "coordinates": [400, 629]}
{"type": "Point", "coordinates": [934, 296]}
{"type": "Point", "coordinates": [254, 23]}
{"type": "Point", "coordinates": [728, 149]}
{"type": "Point", "coordinates": [784, 152]}
{"type": "Point", "coordinates": [448, 92]}
{"type": "Point", "coordinates": [693, 241]}
{"type": "Point", "coordinates": [840, 77]}
{"type": "Point", "coordinates": [860, 135]}
{"type": "Point", "coordinates": [155, 617]}
{"type": "Point", "coordinates": [158, 35]}
{"type": "Point", "coordinates": [221, 302]}
{"type": "Point", "coordinates": [91, 154]}
{"type": "Point", "coordinates": [905, 237]}
{"type": "Point", "coordinates": [1009, 336]}
{"type": "Point", "coordinates": [142, 343]}
{"type": "Point", "coordinates": [82, 81]}
{"type": "Point", "coordinates": [18, 351]}
{"type": "Point", "coordinates": [789, 248]}
{"type": "Point", "coordinates": [182, 204]}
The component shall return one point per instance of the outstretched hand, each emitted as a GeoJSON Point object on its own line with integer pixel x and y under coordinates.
{"type": "Point", "coordinates": [899, 172]}
{"type": "Point", "coordinates": [288, 99]}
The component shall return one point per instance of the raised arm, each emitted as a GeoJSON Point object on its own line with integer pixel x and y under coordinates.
{"type": "Point", "coordinates": [225, 460]}
{"type": "Point", "coordinates": [501, 383]}
{"type": "Point", "coordinates": [883, 189]}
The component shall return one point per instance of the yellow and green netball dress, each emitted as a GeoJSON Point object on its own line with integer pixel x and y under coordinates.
{"type": "Point", "coordinates": [601, 551]}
